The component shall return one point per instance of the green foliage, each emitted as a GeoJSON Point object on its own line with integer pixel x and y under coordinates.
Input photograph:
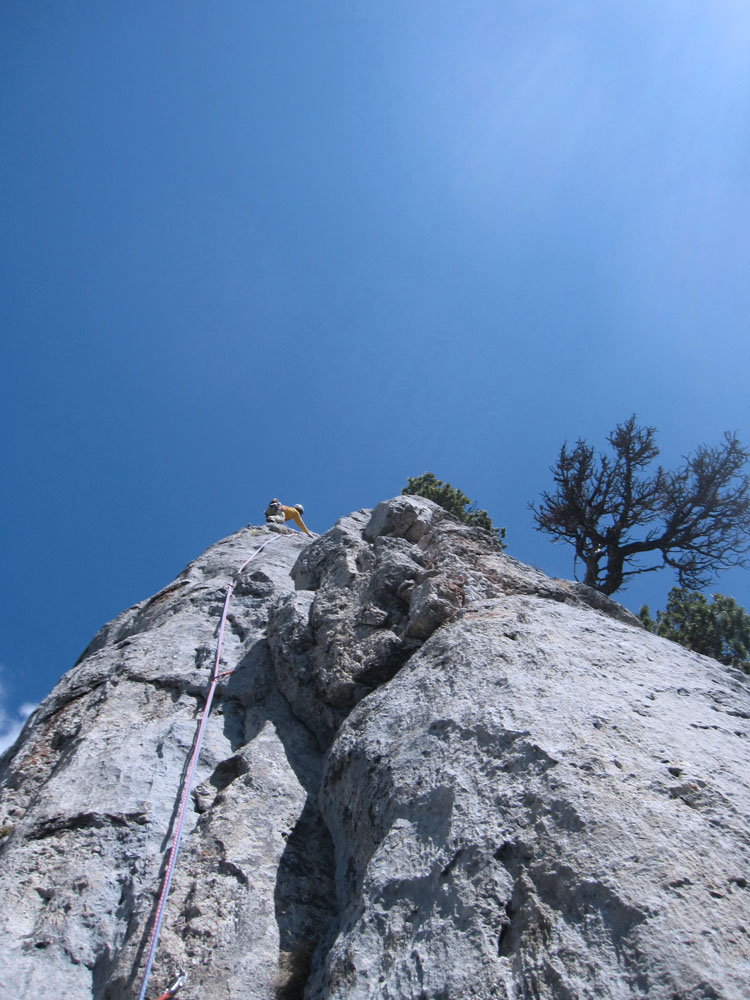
{"type": "Point", "coordinates": [454, 501]}
{"type": "Point", "coordinates": [645, 615]}
{"type": "Point", "coordinates": [622, 517]}
{"type": "Point", "coordinates": [720, 629]}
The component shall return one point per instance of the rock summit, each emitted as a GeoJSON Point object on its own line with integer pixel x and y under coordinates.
{"type": "Point", "coordinates": [430, 773]}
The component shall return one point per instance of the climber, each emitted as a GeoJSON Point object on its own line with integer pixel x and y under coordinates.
{"type": "Point", "coordinates": [278, 513]}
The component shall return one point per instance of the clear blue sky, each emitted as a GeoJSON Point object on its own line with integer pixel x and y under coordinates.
{"type": "Point", "coordinates": [309, 249]}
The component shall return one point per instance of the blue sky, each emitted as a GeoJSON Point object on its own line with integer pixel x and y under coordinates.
{"type": "Point", "coordinates": [309, 249]}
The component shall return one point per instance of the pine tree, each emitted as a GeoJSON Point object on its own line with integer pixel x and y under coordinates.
{"type": "Point", "coordinates": [720, 629]}
{"type": "Point", "coordinates": [622, 520]}
{"type": "Point", "coordinates": [454, 501]}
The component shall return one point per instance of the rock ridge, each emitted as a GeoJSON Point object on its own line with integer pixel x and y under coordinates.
{"type": "Point", "coordinates": [430, 772]}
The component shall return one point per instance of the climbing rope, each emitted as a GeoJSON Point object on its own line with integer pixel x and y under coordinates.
{"type": "Point", "coordinates": [215, 677]}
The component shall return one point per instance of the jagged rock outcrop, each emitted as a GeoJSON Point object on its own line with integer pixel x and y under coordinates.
{"type": "Point", "coordinates": [430, 772]}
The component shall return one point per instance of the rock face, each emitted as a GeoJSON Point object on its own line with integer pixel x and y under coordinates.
{"type": "Point", "coordinates": [430, 772]}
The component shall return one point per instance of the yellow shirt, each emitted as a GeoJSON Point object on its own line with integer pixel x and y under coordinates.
{"type": "Point", "coordinates": [292, 514]}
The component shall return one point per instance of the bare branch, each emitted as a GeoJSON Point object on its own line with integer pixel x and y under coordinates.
{"type": "Point", "coordinates": [695, 520]}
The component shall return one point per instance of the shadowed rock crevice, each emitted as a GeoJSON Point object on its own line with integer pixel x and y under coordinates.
{"type": "Point", "coordinates": [305, 902]}
{"type": "Point", "coordinates": [83, 821]}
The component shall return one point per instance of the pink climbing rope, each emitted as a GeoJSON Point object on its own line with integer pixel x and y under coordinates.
{"type": "Point", "coordinates": [215, 676]}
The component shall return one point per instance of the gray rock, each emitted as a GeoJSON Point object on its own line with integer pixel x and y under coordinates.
{"type": "Point", "coordinates": [555, 811]}
{"type": "Point", "coordinates": [89, 795]}
{"type": "Point", "coordinates": [432, 772]}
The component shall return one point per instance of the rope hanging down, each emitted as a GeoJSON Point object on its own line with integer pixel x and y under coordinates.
{"type": "Point", "coordinates": [189, 781]}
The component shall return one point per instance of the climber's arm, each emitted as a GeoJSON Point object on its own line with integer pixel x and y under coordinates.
{"type": "Point", "coordinates": [293, 515]}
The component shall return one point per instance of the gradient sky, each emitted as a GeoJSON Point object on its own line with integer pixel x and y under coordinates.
{"type": "Point", "coordinates": [308, 249]}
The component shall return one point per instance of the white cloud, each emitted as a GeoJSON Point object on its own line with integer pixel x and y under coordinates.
{"type": "Point", "coordinates": [12, 720]}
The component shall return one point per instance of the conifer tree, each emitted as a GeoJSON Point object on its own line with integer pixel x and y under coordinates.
{"type": "Point", "coordinates": [623, 520]}
{"type": "Point", "coordinates": [720, 629]}
{"type": "Point", "coordinates": [452, 500]}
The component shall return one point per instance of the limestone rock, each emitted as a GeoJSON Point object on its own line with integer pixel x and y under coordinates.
{"type": "Point", "coordinates": [430, 772]}
{"type": "Point", "coordinates": [89, 795]}
{"type": "Point", "coordinates": [503, 830]}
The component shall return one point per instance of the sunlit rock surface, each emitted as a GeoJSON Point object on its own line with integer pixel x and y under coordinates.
{"type": "Point", "coordinates": [430, 772]}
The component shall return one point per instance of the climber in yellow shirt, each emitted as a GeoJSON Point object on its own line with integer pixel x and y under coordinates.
{"type": "Point", "coordinates": [278, 513]}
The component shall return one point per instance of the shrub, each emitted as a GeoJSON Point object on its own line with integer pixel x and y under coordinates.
{"type": "Point", "coordinates": [454, 501]}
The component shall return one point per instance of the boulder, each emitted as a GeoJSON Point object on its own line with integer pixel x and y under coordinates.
{"type": "Point", "coordinates": [430, 772]}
